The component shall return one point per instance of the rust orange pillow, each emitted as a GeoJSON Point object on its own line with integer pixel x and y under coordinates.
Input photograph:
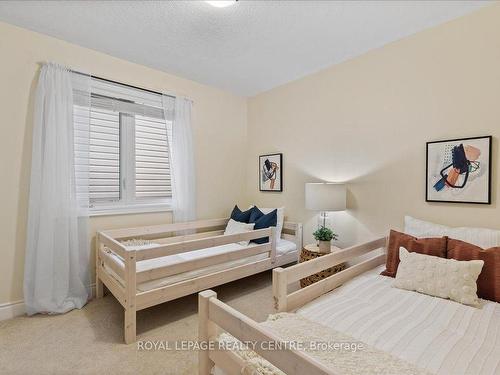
{"type": "Point", "coordinates": [428, 246]}
{"type": "Point", "coordinates": [488, 282]}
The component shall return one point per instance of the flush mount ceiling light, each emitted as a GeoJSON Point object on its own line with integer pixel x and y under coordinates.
{"type": "Point", "coordinates": [222, 3]}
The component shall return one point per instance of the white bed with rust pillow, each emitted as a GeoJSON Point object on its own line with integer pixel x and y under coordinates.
{"type": "Point", "coordinates": [439, 277]}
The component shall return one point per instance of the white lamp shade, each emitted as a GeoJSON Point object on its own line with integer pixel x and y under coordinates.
{"type": "Point", "coordinates": [323, 196]}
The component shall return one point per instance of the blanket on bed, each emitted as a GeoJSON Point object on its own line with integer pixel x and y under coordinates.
{"type": "Point", "coordinates": [338, 351]}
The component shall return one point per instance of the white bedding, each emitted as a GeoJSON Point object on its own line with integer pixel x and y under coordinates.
{"type": "Point", "coordinates": [439, 335]}
{"type": "Point", "coordinates": [282, 247]}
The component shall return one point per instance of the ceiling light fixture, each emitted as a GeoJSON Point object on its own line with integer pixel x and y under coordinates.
{"type": "Point", "coordinates": [222, 3]}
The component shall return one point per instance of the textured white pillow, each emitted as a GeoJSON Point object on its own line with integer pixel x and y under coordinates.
{"type": "Point", "coordinates": [439, 277]}
{"type": "Point", "coordinates": [280, 218]}
{"type": "Point", "coordinates": [482, 237]}
{"type": "Point", "coordinates": [234, 227]}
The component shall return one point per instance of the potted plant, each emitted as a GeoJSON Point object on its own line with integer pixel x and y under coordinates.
{"type": "Point", "coordinates": [325, 236]}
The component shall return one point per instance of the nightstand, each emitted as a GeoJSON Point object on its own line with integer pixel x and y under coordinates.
{"type": "Point", "coordinates": [311, 251]}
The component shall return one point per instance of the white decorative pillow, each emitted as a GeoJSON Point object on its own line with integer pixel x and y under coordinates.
{"type": "Point", "coordinates": [482, 237]}
{"type": "Point", "coordinates": [234, 227]}
{"type": "Point", "coordinates": [439, 277]}
{"type": "Point", "coordinates": [280, 218]}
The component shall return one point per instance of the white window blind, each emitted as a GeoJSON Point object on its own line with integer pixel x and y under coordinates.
{"type": "Point", "coordinates": [126, 149]}
{"type": "Point", "coordinates": [152, 168]}
{"type": "Point", "coordinates": [104, 156]}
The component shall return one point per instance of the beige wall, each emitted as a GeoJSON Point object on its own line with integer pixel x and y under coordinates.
{"type": "Point", "coordinates": [366, 121]}
{"type": "Point", "coordinates": [219, 121]}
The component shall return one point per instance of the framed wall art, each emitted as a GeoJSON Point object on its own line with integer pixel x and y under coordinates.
{"type": "Point", "coordinates": [271, 172]}
{"type": "Point", "coordinates": [459, 170]}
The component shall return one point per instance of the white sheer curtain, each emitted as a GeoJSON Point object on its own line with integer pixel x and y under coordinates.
{"type": "Point", "coordinates": [182, 162]}
{"type": "Point", "coordinates": [56, 276]}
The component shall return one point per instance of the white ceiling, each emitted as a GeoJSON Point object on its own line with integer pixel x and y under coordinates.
{"type": "Point", "coordinates": [246, 48]}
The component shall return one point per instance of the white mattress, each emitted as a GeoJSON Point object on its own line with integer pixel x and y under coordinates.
{"type": "Point", "coordinates": [439, 335]}
{"type": "Point", "coordinates": [282, 247]}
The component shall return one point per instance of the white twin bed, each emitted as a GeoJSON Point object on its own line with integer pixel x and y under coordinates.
{"type": "Point", "coordinates": [441, 336]}
{"type": "Point", "coordinates": [405, 332]}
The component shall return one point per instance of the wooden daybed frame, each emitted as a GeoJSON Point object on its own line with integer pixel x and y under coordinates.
{"type": "Point", "coordinates": [208, 233]}
{"type": "Point", "coordinates": [215, 315]}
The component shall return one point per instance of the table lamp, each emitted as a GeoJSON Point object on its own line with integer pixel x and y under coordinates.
{"type": "Point", "coordinates": [325, 197]}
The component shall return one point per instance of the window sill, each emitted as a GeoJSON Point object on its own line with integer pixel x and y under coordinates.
{"type": "Point", "coordinates": [127, 210]}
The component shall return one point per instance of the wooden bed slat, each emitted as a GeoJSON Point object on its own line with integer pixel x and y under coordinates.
{"type": "Point", "coordinates": [188, 237]}
{"type": "Point", "coordinates": [245, 329]}
{"type": "Point", "coordinates": [193, 264]}
{"type": "Point", "coordinates": [158, 230]}
{"type": "Point", "coordinates": [288, 237]}
{"type": "Point", "coordinates": [183, 288]}
{"type": "Point", "coordinates": [307, 294]}
{"type": "Point", "coordinates": [227, 361]}
{"type": "Point", "coordinates": [117, 266]}
{"type": "Point", "coordinates": [291, 225]}
{"type": "Point", "coordinates": [112, 244]}
{"type": "Point", "coordinates": [299, 271]}
{"type": "Point", "coordinates": [114, 286]}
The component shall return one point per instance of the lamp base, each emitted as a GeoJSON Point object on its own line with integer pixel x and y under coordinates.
{"type": "Point", "coordinates": [323, 220]}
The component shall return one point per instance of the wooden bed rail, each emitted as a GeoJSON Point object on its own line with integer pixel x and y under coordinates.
{"type": "Point", "coordinates": [164, 229]}
{"type": "Point", "coordinates": [213, 313]}
{"type": "Point", "coordinates": [112, 244]}
{"type": "Point", "coordinates": [282, 277]}
{"type": "Point", "coordinates": [102, 241]}
{"type": "Point", "coordinates": [202, 243]}
{"type": "Point", "coordinates": [293, 232]}
{"type": "Point", "coordinates": [110, 261]}
{"type": "Point", "coordinates": [194, 264]}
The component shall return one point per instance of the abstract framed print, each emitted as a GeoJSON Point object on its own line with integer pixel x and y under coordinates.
{"type": "Point", "coordinates": [271, 172]}
{"type": "Point", "coordinates": [459, 171]}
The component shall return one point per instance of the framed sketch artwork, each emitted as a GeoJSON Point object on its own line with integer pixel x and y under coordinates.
{"type": "Point", "coordinates": [459, 170]}
{"type": "Point", "coordinates": [271, 172]}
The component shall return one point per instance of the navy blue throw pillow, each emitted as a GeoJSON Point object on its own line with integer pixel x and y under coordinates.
{"type": "Point", "coordinates": [255, 214]}
{"type": "Point", "coordinates": [265, 221]}
{"type": "Point", "coordinates": [241, 216]}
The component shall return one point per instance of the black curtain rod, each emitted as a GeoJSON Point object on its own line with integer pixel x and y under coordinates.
{"type": "Point", "coordinates": [121, 83]}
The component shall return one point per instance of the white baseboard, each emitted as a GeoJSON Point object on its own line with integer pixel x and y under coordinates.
{"type": "Point", "coordinates": [10, 310]}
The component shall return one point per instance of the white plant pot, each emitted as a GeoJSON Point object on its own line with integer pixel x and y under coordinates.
{"type": "Point", "coordinates": [325, 247]}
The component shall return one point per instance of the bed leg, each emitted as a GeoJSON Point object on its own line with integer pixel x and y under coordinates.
{"type": "Point", "coordinates": [280, 289]}
{"type": "Point", "coordinates": [130, 326]}
{"type": "Point", "coordinates": [273, 245]}
{"type": "Point", "coordinates": [298, 237]}
{"type": "Point", "coordinates": [206, 329]}
{"type": "Point", "coordinates": [130, 294]}
{"type": "Point", "coordinates": [99, 285]}
{"type": "Point", "coordinates": [99, 288]}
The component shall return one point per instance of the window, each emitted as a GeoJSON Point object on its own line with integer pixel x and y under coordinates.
{"type": "Point", "coordinates": [126, 149]}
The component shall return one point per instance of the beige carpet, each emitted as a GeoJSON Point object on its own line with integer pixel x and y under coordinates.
{"type": "Point", "coordinates": [90, 341]}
